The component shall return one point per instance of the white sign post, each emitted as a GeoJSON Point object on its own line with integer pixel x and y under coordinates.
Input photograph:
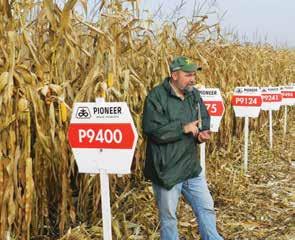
{"type": "Point", "coordinates": [271, 101]}
{"type": "Point", "coordinates": [105, 204]}
{"type": "Point", "coordinates": [103, 137]}
{"type": "Point", "coordinates": [246, 102]}
{"type": "Point", "coordinates": [215, 107]}
{"type": "Point", "coordinates": [288, 94]}
{"type": "Point", "coordinates": [105, 198]}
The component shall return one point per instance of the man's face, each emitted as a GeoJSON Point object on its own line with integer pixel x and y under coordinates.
{"type": "Point", "coordinates": [184, 80]}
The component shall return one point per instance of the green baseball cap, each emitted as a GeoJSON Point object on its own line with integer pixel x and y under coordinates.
{"type": "Point", "coordinates": [183, 63]}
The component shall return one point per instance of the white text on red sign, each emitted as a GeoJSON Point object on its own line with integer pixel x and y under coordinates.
{"type": "Point", "coordinates": [214, 108]}
{"type": "Point", "coordinates": [243, 100]}
{"type": "Point", "coordinates": [288, 94]}
{"type": "Point", "coordinates": [270, 97]}
{"type": "Point", "coordinates": [101, 135]}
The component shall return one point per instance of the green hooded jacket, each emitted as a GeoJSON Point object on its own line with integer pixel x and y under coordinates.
{"type": "Point", "coordinates": [171, 155]}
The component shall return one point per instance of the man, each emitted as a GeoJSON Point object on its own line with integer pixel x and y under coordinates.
{"type": "Point", "coordinates": [172, 114]}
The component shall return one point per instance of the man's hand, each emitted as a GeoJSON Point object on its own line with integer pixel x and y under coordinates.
{"type": "Point", "coordinates": [191, 127]}
{"type": "Point", "coordinates": [204, 136]}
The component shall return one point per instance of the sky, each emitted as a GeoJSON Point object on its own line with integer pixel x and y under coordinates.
{"type": "Point", "coordinates": [270, 21]}
{"type": "Point", "coordinates": [257, 21]}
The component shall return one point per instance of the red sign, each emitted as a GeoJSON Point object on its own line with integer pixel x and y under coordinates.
{"type": "Point", "coordinates": [247, 101]}
{"type": "Point", "coordinates": [271, 97]}
{"type": "Point", "coordinates": [101, 135]}
{"type": "Point", "coordinates": [214, 108]}
{"type": "Point", "coordinates": [288, 94]}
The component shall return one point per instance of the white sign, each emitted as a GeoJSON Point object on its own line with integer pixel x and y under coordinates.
{"type": "Point", "coordinates": [102, 136]}
{"type": "Point", "coordinates": [214, 103]}
{"type": "Point", "coordinates": [288, 94]}
{"type": "Point", "coordinates": [246, 101]}
{"type": "Point", "coordinates": [271, 98]}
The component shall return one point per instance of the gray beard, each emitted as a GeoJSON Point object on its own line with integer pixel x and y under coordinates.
{"type": "Point", "coordinates": [189, 88]}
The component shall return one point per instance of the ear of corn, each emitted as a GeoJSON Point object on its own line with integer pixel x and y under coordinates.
{"type": "Point", "coordinates": [63, 112]}
{"type": "Point", "coordinates": [110, 80]}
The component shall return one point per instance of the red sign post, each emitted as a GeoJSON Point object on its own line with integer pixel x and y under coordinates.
{"type": "Point", "coordinates": [288, 94]}
{"type": "Point", "coordinates": [102, 136]}
{"type": "Point", "coordinates": [271, 101]}
{"type": "Point", "coordinates": [215, 107]}
{"type": "Point", "coordinates": [246, 102]}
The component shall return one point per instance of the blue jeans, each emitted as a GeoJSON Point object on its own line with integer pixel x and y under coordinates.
{"type": "Point", "coordinates": [196, 193]}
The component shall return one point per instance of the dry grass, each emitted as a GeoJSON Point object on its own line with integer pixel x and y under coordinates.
{"type": "Point", "coordinates": [58, 58]}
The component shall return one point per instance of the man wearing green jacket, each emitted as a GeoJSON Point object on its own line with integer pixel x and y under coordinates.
{"type": "Point", "coordinates": [173, 114]}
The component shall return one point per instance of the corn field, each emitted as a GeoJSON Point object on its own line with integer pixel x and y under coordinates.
{"type": "Point", "coordinates": [50, 57]}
